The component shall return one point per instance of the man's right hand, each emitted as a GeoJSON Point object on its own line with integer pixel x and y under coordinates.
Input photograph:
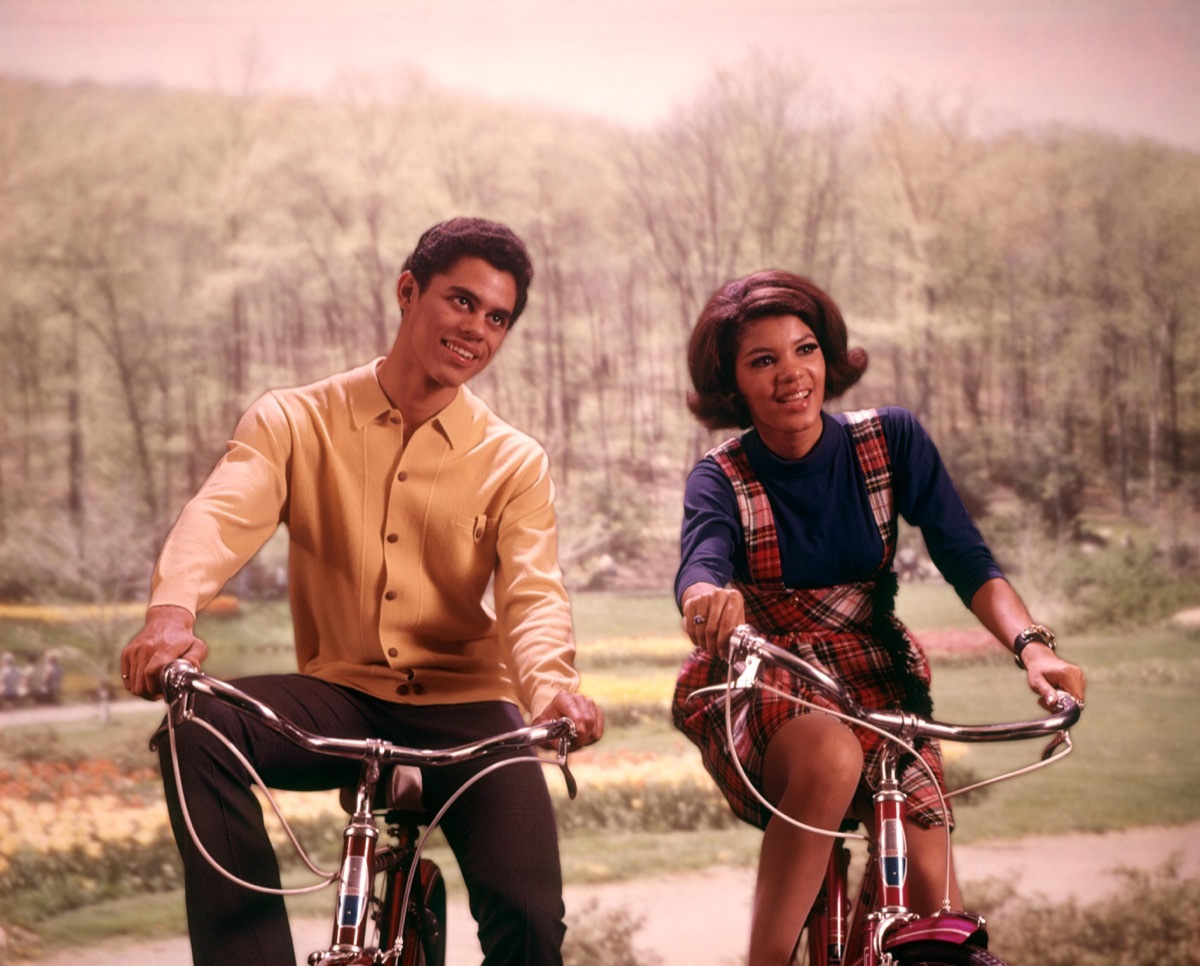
{"type": "Point", "coordinates": [165, 637]}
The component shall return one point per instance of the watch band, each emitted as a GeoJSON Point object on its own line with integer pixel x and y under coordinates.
{"type": "Point", "coordinates": [1033, 634]}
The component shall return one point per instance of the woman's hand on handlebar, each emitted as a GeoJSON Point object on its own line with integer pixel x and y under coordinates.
{"type": "Point", "coordinates": [710, 614]}
{"type": "Point", "coordinates": [1048, 673]}
{"type": "Point", "coordinates": [584, 713]}
{"type": "Point", "coordinates": [166, 636]}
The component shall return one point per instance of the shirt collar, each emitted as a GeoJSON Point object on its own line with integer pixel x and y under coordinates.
{"type": "Point", "coordinates": [456, 417]}
{"type": "Point", "coordinates": [368, 402]}
{"type": "Point", "coordinates": [367, 399]}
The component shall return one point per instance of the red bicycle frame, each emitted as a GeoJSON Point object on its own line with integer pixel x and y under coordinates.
{"type": "Point", "coordinates": [866, 932]}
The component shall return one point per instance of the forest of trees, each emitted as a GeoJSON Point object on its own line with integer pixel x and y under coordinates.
{"type": "Point", "coordinates": [165, 256]}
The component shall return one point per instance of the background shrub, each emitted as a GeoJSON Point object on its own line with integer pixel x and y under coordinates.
{"type": "Point", "coordinates": [1155, 921]}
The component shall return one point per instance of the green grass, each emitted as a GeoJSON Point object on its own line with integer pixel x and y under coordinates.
{"type": "Point", "coordinates": [602, 615]}
{"type": "Point", "coordinates": [1134, 761]}
{"type": "Point", "coordinates": [147, 917]}
{"type": "Point", "coordinates": [932, 605]}
{"type": "Point", "coordinates": [256, 640]}
{"type": "Point", "coordinates": [124, 736]}
{"type": "Point", "coordinates": [604, 858]}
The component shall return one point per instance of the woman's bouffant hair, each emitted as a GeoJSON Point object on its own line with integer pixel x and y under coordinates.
{"type": "Point", "coordinates": [713, 348]}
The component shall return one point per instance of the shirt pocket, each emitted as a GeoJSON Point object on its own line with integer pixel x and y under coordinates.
{"type": "Point", "coordinates": [480, 526]}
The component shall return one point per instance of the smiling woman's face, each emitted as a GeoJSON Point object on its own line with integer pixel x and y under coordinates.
{"type": "Point", "coordinates": [781, 376]}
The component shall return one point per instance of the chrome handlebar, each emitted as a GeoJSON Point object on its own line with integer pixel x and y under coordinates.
{"type": "Point", "coordinates": [181, 680]}
{"type": "Point", "coordinates": [746, 644]}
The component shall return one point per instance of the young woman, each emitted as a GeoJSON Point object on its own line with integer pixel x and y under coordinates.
{"type": "Point", "coordinates": [791, 527]}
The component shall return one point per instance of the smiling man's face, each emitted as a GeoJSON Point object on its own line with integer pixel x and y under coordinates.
{"type": "Point", "coordinates": [454, 326]}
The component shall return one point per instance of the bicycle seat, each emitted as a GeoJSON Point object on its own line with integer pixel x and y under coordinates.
{"type": "Point", "coordinates": [400, 789]}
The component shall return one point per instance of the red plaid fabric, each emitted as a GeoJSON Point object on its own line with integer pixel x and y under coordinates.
{"type": "Point", "coordinates": [837, 627]}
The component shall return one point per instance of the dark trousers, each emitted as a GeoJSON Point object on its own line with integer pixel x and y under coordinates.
{"type": "Point", "coordinates": [502, 829]}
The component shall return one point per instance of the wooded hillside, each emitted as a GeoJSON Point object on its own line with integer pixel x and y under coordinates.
{"type": "Point", "coordinates": [167, 256]}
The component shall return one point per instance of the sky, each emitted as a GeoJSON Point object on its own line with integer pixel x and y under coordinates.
{"type": "Point", "coordinates": [1131, 67]}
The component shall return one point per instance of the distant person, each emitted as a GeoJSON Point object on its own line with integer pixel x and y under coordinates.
{"type": "Point", "coordinates": [51, 679]}
{"type": "Point", "coordinates": [30, 681]}
{"type": "Point", "coordinates": [791, 527]}
{"type": "Point", "coordinates": [405, 499]}
{"type": "Point", "coordinates": [10, 681]}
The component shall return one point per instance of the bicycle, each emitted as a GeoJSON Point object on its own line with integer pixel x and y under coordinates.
{"type": "Point", "coordinates": [878, 928]}
{"type": "Point", "coordinates": [409, 928]}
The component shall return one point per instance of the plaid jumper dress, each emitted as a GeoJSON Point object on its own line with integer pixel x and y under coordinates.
{"type": "Point", "coordinates": [849, 629]}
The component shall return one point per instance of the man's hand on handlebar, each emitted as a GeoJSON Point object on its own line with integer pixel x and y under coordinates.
{"type": "Point", "coordinates": [165, 637]}
{"type": "Point", "coordinates": [584, 713]}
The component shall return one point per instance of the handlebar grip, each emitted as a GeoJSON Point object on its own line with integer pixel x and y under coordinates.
{"type": "Point", "coordinates": [560, 728]}
{"type": "Point", "coordinates": [176, 677]}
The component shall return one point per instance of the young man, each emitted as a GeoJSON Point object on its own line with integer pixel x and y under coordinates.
{"type": "Point", "coordinates": [404, 497]}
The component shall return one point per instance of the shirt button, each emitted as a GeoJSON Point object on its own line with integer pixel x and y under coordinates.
{"type": "Point", "coordinates": [402, 476]}
{"type": "Point", "coordinates": [418, 689]}
{"type": "Point", "coordinates": [403, 689]}
{"type": "Point", "coordinates": [390, 595]}
{"type": "Point", "coordinates": [393, 537]}
{"type": "Point", "coordinates": [392, 652]}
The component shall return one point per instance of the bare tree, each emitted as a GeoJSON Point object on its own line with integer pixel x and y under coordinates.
{"type": "Point", "coordinates": [745, 177]}
{"type": "Point", "coordinates": [925, 160]}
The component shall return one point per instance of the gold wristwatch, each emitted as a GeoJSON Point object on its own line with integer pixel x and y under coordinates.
{"type": "Point", "coordinates": [1033, 634]}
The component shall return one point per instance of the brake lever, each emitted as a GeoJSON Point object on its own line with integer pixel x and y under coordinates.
{"type": "Point", "coordinates": [1058, 739]}
{"type": "Point", "coordinates": [749, 672]}
{"type": "Point", "coordinates": [564, 745]}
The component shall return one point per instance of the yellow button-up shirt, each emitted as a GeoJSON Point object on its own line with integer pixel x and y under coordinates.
{"type": "Point", "coordinates": [391, 548]}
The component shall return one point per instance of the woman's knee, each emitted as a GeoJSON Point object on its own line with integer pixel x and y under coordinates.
{"type": "Point", "coordinates": [811, 752]}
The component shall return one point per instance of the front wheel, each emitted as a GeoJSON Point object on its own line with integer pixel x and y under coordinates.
{"type": "Point", "coordinates": [943, 954]}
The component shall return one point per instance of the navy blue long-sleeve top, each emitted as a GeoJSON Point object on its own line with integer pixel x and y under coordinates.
{"type": "Point", "coordinates": [827, 534]}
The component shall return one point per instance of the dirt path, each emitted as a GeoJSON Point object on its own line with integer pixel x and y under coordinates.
{"type": "Point", "coordinates": [702, 917]}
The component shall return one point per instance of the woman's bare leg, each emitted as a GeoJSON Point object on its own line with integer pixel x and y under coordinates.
{"type": "Point", "coordinates": [811, 770]}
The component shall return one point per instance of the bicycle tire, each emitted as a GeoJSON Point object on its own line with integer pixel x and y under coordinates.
{"type": "Point", "coordinates": [425, 928]}
{"type": "Point", "coordinates": [936, 953]}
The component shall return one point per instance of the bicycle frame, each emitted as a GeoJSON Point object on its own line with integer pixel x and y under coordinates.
{"type": "Point", "coordinates": [880, 920]}
{"type": "Point", "coordinates": [361, 861]}
{"type": "Point", "coordinates": [880, 923]}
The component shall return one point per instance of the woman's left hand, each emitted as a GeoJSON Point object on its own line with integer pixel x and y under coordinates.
{"type": "Point", "coordinates": [1048, 673]}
